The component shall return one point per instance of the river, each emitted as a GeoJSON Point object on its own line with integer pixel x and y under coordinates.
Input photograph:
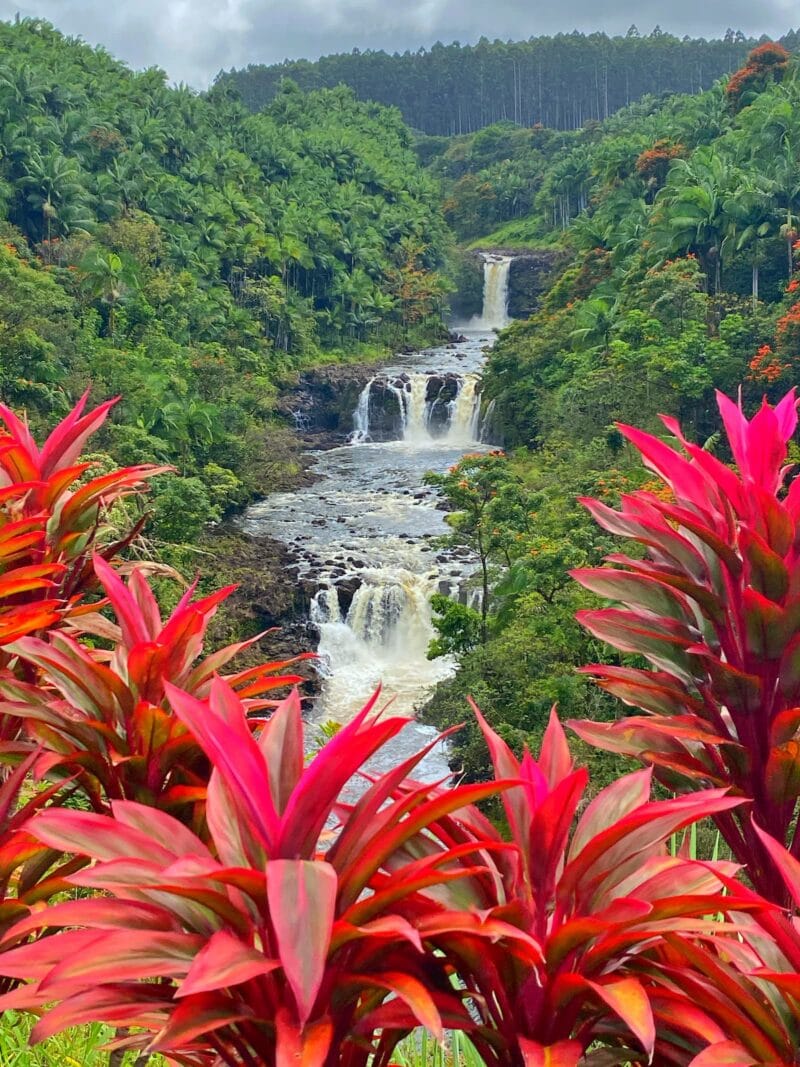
{"type": "Point", "coordinates": [366, 531]}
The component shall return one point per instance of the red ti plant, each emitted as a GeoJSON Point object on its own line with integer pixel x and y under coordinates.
{"type": "Point", "coordinates": [49, 527]}
{"type": "Point", "coordinates": [30, 873]}
{"type": "Point", "coordinates": [749, 986]}
{"type": "Point", "coordinates": [105, 719]}
{"type": "Point", "coordinates": [599, 896]}
{"type": "Point", "coordinates": [287, 938]}
{"type": "Point", "coordinates": [714, 606]}
{"type": "Point", "coordinates": [40, 487]}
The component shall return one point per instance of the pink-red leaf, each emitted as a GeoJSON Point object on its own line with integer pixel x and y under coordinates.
{"type": "Point", "coordinates": [302, 903]}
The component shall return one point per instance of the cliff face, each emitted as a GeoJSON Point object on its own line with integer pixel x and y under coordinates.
{"type": "Point", "coordinates": [323, 403]}
{"type": "Point", "coordinates": [530, 275]}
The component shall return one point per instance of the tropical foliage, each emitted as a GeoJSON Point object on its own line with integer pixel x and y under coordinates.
{"type": "Point", "coordinates": [178, 859]}
{"type": "Point", "coordinates": [711, 606]}
{"type": "Point", "coordinates": [295, 913]}
{"type": "Point", "coordinates": [676, 224]}
{"type": "Point", "coordinates": [174, 248]}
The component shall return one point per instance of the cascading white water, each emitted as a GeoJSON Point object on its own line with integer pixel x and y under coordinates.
{"type": "Point", "coordinates": [360, 432]}
{"type": "Point", "coordinates": [417, 424]}
{"type": "Point", "coordinates": [366, 532]}
{"type": "Point", "coordinates": [417, 410]}
{"type": "Point", "coordinates": [387, 629]}
{"type": "Point", "coordinates": [485, 432]}
{"type": "Point", "coordinates": [325, 607]}
{"type": "Point", "coordinates": [465, 412]}
{"type": "Point", "coordinates": [494, 316]}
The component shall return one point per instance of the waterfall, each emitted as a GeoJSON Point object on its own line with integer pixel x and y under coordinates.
{"type": "Point", "coordinates": [465, 412]}
{"type": "Point", "coordinates": [485, 434]}
{"type": "Point", "coordinates": [392, 613]}
{"type": "Point", "coordinates": [325, 607]}
{"type": "Point", "coordinates": [365, 539]}
{"type": "Point", "coordinates": [360, 432]}
{"type": "Point", "coordinates": [425, 414]}
{"type": "Point", "coordinates": [416, 410]}
{"type": "Point", "coordinates": [386, 630]}
{"type": "Point", "coordinates": [496, 270]}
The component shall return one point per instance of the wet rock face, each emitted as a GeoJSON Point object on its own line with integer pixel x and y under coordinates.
{"type": "Point", "coordinates": [467, 300]}
{"type": "Point", "coordinates": [385, 404]}
{"type": "Point", "coordinates": [385, 414]}
{"type": "Point", "coordinates": [324, 400]}
{"type": "Point", "coordinates": [529, 278]}
{"type": "Point", "coordinates": [530, 275]}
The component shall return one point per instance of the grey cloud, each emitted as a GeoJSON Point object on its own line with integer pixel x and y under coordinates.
{"type": "Point", "coordinates": [193, 39]}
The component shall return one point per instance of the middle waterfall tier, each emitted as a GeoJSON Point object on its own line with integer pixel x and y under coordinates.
{"type": "Point", "coordinates": [419, 408]}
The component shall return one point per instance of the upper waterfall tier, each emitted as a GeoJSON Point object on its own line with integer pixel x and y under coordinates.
{"type": "Point", "coordinates": [494, 316]}
{"type": "Point", "coordinates": [419, 408]}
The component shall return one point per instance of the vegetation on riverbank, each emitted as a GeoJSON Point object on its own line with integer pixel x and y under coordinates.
{"type": "Point", "coordinates": [682, 279]}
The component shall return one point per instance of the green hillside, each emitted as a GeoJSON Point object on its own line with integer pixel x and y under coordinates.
{"type": "Point", "coordinates": [179, 250]}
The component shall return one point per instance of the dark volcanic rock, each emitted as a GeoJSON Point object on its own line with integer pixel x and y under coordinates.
{"type": "Point", "coordinates": [531, 275]}
{"type": "Point", "coordinates": [323, 401]}
{"type": "Point", "coordinates": [268, 597]}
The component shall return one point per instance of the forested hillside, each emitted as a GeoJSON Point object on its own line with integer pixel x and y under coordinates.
{"type": "Point", "coordinates": [179, 250]}
{"type": "Point", "coordinates": [560, 82]}
{"type": "Point", "coordinates": [681, 224]}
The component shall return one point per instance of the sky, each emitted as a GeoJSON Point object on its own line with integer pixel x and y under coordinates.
{"type": "Point", "coordinates": [193, 39]}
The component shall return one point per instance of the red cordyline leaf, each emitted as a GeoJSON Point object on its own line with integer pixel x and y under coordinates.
{"type": "Point", "coordinates": [598, 897]}
{"type": "Point", "coordinates": [269, 944]}
{"type": "Point", "coordinates": [715, 607]}
{"type": "Point", "coordinates": [111, 723]}
{"type": "Point", "coordinates": [49, 528]}
{"type": "Point", "coordinates": [30, 873]}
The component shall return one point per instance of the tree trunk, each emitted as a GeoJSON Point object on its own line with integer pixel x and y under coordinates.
{"type": "Point", "coordinates": [484, 558]}
{"type": "Point", "coordinates": [755, 286]}
{"type": "Point", "coordinates": [484, 600]}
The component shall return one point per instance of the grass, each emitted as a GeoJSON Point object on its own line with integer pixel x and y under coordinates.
{"type": "Point", "coordinates": [519, 233]}
{"type": "Point", "coordinates": [422, 1050]}
{"type": "Point", "coordinates": [80, 1047]}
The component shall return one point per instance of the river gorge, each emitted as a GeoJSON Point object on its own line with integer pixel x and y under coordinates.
{"type": "Point", "coordinates": [365, 533]}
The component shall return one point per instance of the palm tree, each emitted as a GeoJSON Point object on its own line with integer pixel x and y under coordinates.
{"type": "Point", "coordinates": [56, 192]}
{"type": "Point", "coordinates": [772, 127]}
{"type": "Point", "coordinates": [690, 214]}
{"type": "Point", "coordinates": [22, 90]}
{"type": "Point", "coordinates": [108, 278]}
{"type": "Point", "coordinates": [595, 320]}
{"type": "Point", "coordinates": [751, 217]}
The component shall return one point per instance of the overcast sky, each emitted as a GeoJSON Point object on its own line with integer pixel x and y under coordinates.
{"type": "Point", "coordinates": [193, 39]}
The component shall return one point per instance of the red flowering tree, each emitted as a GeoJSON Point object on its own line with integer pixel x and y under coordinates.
{"type": "Point", "coordinates": [766, 366]}
{"type": "Point", "coordinates": [766, 64]}
{"type": "Point", "coordinates": [653, 164]}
